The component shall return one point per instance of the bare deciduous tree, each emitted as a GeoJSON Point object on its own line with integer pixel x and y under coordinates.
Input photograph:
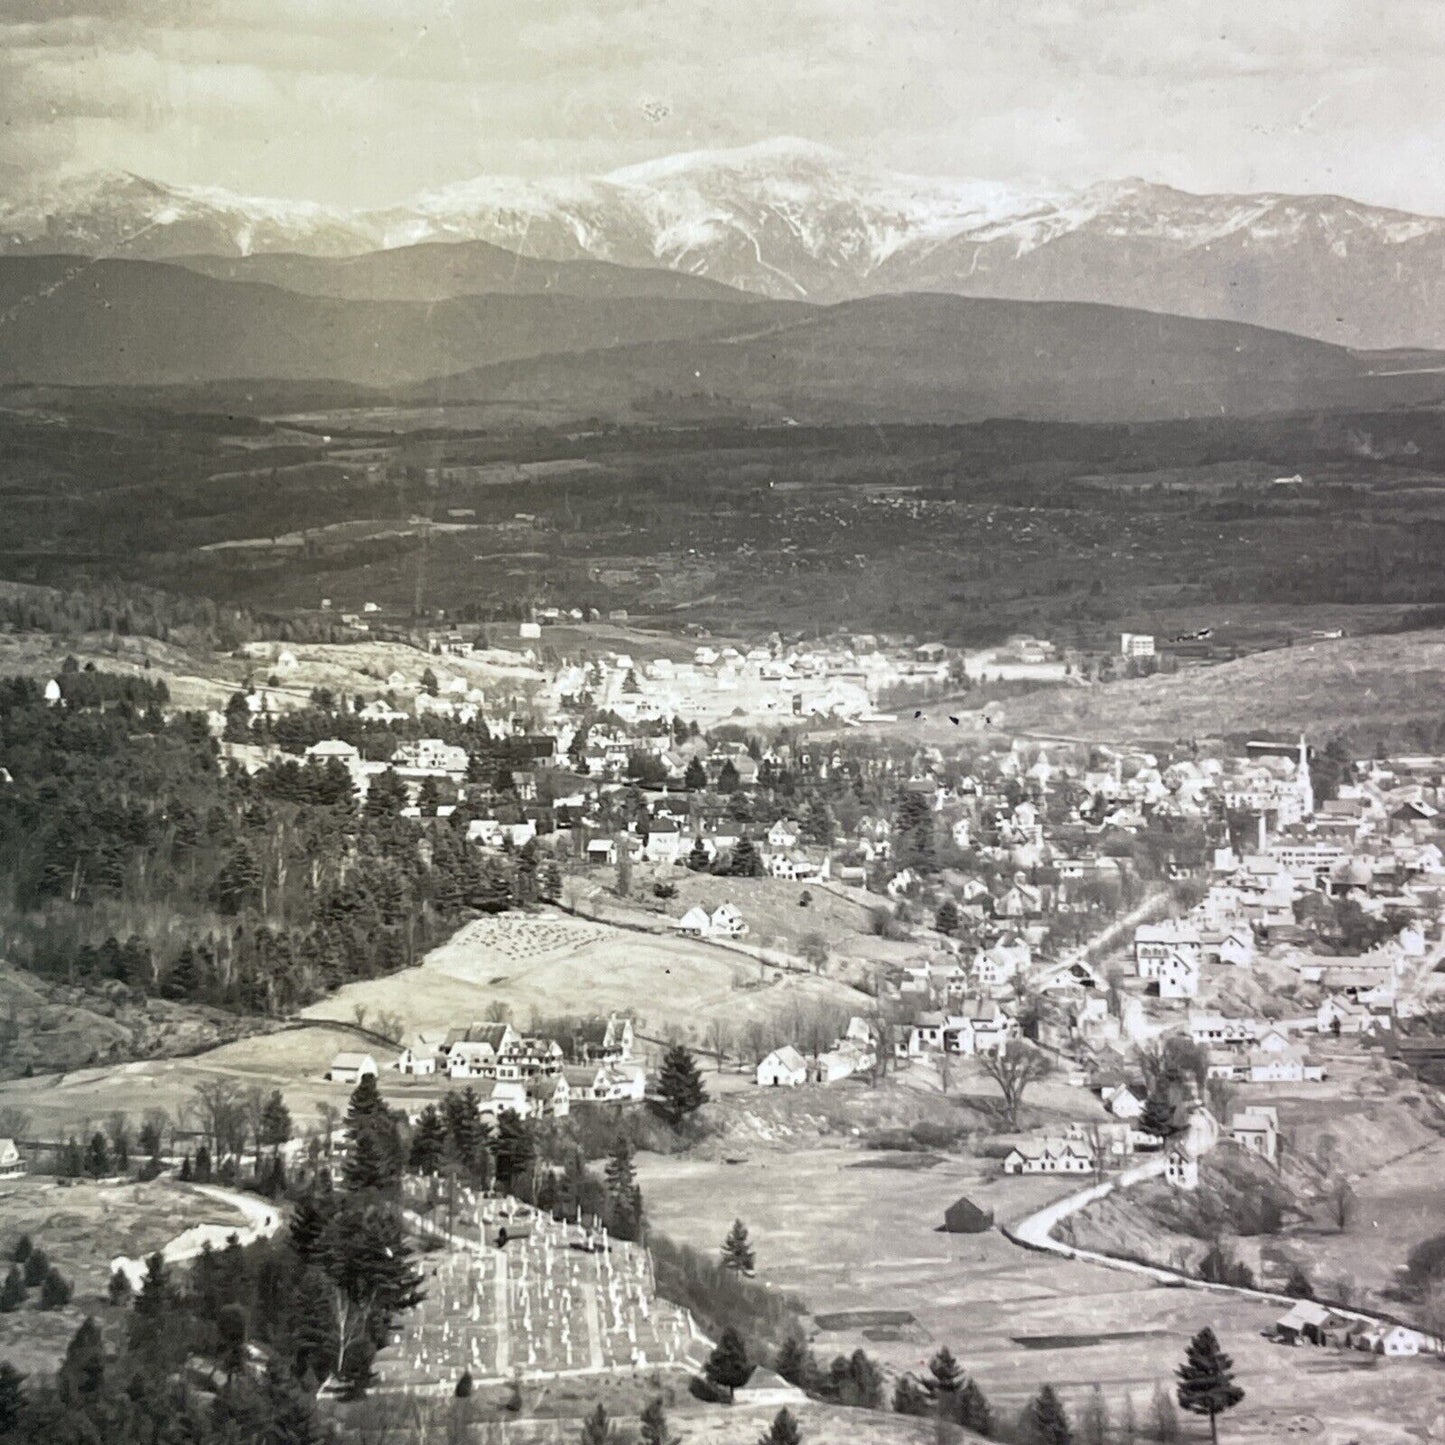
{"type": "Point", "coordinates": [1013, 1071]}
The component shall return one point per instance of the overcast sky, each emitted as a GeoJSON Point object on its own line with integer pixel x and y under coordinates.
{"type": "Point", "coordinates": [362, 102]}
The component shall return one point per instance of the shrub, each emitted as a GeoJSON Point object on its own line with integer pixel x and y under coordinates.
{"type": "Point", "coordinates": [719, 1297]}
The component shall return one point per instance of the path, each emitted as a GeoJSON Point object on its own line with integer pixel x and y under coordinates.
{"type": "Point", "coordinates": [262, 1216]}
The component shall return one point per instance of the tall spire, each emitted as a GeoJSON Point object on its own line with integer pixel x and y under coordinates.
{"type": "Point", "coordinates": [1303, 782]}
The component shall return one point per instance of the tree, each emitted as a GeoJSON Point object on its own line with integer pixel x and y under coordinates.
{"type": "Point", "coordinates": [464, 1387]}
{"type": "Point", "coordinates": [746, 861]}
{"type": "Point", "coordinates": [946, 919]}
{"type": "Point", "coordinates": [12, 1292]}
{"type": "Point", "coordinates": [597, 1428]}
{"type": "Point", "coordinates": [81, 1376]}
{"type": "Point", "coordinates": [698, 860]}
{"type": "Point", "coordinates": [1206, 1380]}
{"type": "Point", "coordinates": [1163, 1417]}
{"type": "Point", "coordinates": [655, 1429]}
{"type": "Point", "coordinates": [1044, 1420]}
{"type": "Point", "coordinates": [55, 1290]}
{"type": "Point", "coordinates": [680, 1084]}
{"type": "Point", "coordinates": [12, 1397]}
{"type": "Point", "coordinates": [737, 1252]}
{"type": "Point", "coordinates": [1094, 1420]}
{"type": "Point", "coordinates": [794, 1362]}
{"type": "Point", "coordinates": [1341, 1202]}
{"type": "Point", "coordinates": [814, 949]}
{"type": "Point", "coordinates": [1298, 1285]}
{"type": "Point", "coordinates": [1158, 1116]}
{"type": "Point", "coordinates": [514, 1149]}
{"type": "Point", "coordinates": [119, 1290]}
{"type": "Point", "coordinates": [22, 1249]}
{"type": "Point", "coordinates": [945, 1374]}
{"type": "Point", "coordinates": [973, 1409]}
{"type": "Point", "coordinates": [783, 1430]}
{"type": "Point", "coordinates": [1013, 1070]}
{"type": "Point", "coordinates": [694, 779]}
{"type": "Point", "coordinates": [275, 1123]}
{"type": "Point", "coordinates": [909, 1397]}
{"type": "Point", "coordinates": [727, 1367]}
{"type": "Point", "coordinates": [37, 1266]}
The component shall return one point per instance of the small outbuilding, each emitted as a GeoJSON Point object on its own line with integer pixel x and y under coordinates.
{"type": "Point", "coordinates": [963, 1216]}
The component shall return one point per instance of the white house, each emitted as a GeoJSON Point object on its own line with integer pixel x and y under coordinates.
{"type": "Point", "coordinates": [12, 1166]}
{"type": "Point", "coordinates": [1154, 942]}
{"type": "Point", "coordinates": [1179, 976]}
{"type": "Point", "coordinates": [1181, 1169]}
{"type": "Point", "coordinates": [351, 1068]}
{"type": "Point", "coordinates": [421, 1053]}
{"type": "Point", "coordinates": [696, 922]}
{"type": "Point", "coordinates": [783, 1068]}
{"type": "Point", "coordinates": [727, 922]}
{"type": "Point", "coordinates": [1257, 1130]}
{"type": "Point", "coordinates": [1050, 1156]}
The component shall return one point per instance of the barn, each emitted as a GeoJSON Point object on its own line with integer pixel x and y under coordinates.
{"type": "Point", "coordinates": [963, 1216]}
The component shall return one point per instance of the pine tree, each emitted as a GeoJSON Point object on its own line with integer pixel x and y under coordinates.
{"type": "Point", "coordinates": [655, 1429]}
{"type": "Point", "coordinates": [1206, 1380]}
{"type": "Point", "coordinates": [794, 1361]}
{"type": "Point", "coordinates": [1298, 1285]}
{"type": "Point", "coordinates": [946, 919]}
{"type": "Point", "coordinates": [1163, 1417]}
{"type": "Point", "coordinates": [1128, 1423]}
{"type": "Point", "coordinates": [680, 1083]}
{"type": "Point", "coordinates": [428, 1142]}
{"type": "Point", "coordinates": [55, 1290]}
{"type": "Point", "coordinates": [81, 1376]}
{"type": "Point", "coordinates": [597, 1428]}
{"type": "Point", "coordinates": [37, 1266]}
{"type": "Point", "coordinates": [974, 1412]}
{"type": "Point", "coordinates": [909, 1397]}
{"type": "Point", "coordinates": [12, 1292]}
{"type": "Point", "coordinates": [1094, 1420]}
{"type": "Point", "coordinates": [22, 1249]}
{"type": "Point", "coordinates": [783, 1430]}
{"type": "Point", "coordinates": [465, 1386]}
{"type": "Point", "coordinates": [694, 779]}
{"type": "Point", "coordinates": [1044, 1420]}
{"type": "Point", "coordinates": [309, 1218]}
{"type": "Point", "coordinates": [737, 1252]}
{"type": "Point", "coordinates": [697, 859]}
{"type": "Point", "coordinates": [514, 1149]}
{"type": "Point", "coordinates": [1158, 1116]}
{"type": "Point", "coordinates": [945, 1374]}
{"type": "Point", "coordinates": [275, 1121]}
{"type": "Point", "coordinates": [12, 1397]}
{"type": "Point", "coordinates": [727, 1367]}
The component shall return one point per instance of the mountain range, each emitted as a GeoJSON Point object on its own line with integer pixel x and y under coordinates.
{"type": "Point", "coordinates": [790, 220]}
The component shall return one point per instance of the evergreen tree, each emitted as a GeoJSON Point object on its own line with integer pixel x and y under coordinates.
{"type": "Point", "coordinates": [514, 1149]}
{"type": "Point", "coordinates": [946, 919]}
{"type": "Point", "coordinates": [315, 1340]}
{"type": "Point", "coordinates": [680, 1083]}
{"type": "Point", "coordinates": [428, 1142]}
{"type": "Point", "coordinates": [22, 1249]}
{"type": "Point", "coordinates": [694, 779]}
{"type": "Point", "coordinates": [1206, 1380]}
{"type": "Point", "coordinates": [1158, 1116]}
{"type": "Point", "coordinates": [655, 1429]}
{"type": "Point", "coordinates": [783, 1430]}
{"type": "Point", "coordinates": [275, 1121]}
{"type": "Point", "coordinates": [368, 1164]}
{"type": "Point", "coordinates": [1163, 1417]}
{"type": "Point", "coordinates": [309, 1217]}
{"type": "Point", "coordinates": [909, 1397]}
{"type": "Point", "coordinates": [945, 1374]}
{"type": "Point", "coordinates": [974, 1412]}
{"type": "Point", "coordinates": [697, 859]}
{"type": "Point", "coordinates": [737, 1252]}
{"type": "Point", "coordinates": [794, 1361]}
{"type": "Point", "coordinates": [1094, 1420]}
{"type": "Point", "coordinates": [597, 1428]}
{"type": "Point", "coordinates": [747, 862]}
{"type": "Point", "coordinates": [1298, 1285]}
{"type": "Point", "coordinates": [36, 1266]}
{"type": "Point", "coordinates": [12, 1292]}
{"type": "Point", "coordinates": [12, 1397]}
{"type": "Point", "coordinates": [97, 1156]}
{"type": "Point", "coordinates": [81, 1377]}
{"type": "Point", "coordinates": [727, 1367]}
{"type": "Point", "coordinates": [55, 1290]}
{"type": "Point", "coordinates": [1044, 1420]}
{"type": "Point", "coordinates": [465, 1386]}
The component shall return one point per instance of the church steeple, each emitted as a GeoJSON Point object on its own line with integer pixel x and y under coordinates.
{"type": "Point", "coordinates": [1303, 782]}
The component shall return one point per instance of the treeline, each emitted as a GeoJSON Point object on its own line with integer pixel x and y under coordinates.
{"type": "Point", "coordinates": [255, 893]}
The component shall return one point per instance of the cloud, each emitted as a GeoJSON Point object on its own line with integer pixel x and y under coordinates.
{"type": "Point", "coordinates": [365, 101]}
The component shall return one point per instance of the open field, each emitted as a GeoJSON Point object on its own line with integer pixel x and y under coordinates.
{"type": "Point", "coordinates": [548, 965]}
{"type": "Point", "coordinates": [82, 1225]}
{"type": "Point", "coordinates": [851, 1240]}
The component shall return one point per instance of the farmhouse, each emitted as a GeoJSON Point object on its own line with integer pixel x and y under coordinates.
{"type": "Point", "coordinates": [351, 1068]}
{"type": "Point", "coordinates": [1178, 975]}
{"type": "Point", "coordinates": [1156, 942]}
{"type": "Point", "coordinates": [12, 1166]}
{"type": "Point", "coordinates": [1181, 1169]}
{"type": "Point", "coordinates": [420, 1055]}
{"type": "Point", "coordinates": [1257, 1130]}
{"type": "Point", "coordinates": [783, 1068]}
{"type": "Point", "coordinates": [1308, 1323]}
{"type": "Point", "coordinates": [611, 1038]}
{"type": "Point", "coordinates": [1050, 1156]}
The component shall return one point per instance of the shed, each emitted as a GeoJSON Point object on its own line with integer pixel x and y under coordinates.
{"type": "Point", "coordinates": [963, 1216]}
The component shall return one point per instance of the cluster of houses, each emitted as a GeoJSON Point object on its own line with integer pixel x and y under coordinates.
{"type": "Point", "coordinates": [787, 1067]}
{"type": "Point", "coordinates": [533, 1077]}
{"type": "Point", "coordinates": [1308, 1322]}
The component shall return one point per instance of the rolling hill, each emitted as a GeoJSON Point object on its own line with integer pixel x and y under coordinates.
{"type": "Point", "coordinates": [933, 358]}
{"type": "Point", "coordinates": [435, 270]}
{"type": "Point", "coordinates": [139, 323]}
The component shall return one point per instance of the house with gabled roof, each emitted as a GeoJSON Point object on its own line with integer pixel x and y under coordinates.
{"type": "Point", "coordinates": [351, 1068]}
{"type": "Point", "coordinates": [1050, 1156]}
{"type": "Point", "coordinates": [421, 1052]}
{"type": "Point", "coordinates": [784, 1068]}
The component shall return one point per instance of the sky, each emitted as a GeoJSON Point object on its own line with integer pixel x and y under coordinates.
{"type": "Point", "coordinates": [364, 102]}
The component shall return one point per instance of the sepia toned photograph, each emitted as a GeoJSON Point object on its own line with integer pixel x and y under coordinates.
{"type": "Point", "coordinates": [722, 724]}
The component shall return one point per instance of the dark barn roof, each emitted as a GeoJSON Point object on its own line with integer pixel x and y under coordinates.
{"type": "Point", "coordinates": [963, 1216]}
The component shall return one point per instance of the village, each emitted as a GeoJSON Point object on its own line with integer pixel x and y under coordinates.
{"type": "Point", "coordinates": [1137, 964]}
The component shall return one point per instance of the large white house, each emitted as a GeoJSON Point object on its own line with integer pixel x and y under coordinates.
{"type": "Point", "coordinates": [783, 1068]}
